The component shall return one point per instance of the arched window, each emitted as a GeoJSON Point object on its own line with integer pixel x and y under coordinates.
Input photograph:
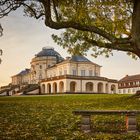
{"type": "Point", "coordinates": [54, 87]}
{"type": "Point", "coordinates": [113, 89]}
{"type": "Point", "coordinates": [43, 88]}
{"type": "Point", "coordinates": [73, 86]}
{"type": "Point", "coordinates": [48, 88]}
{"type": "Point", "coordinates": [13, 92]}
{"type": "Point", "coordinates": [89, 87]}
{"type": "Point", "coordinates": [61, 87]}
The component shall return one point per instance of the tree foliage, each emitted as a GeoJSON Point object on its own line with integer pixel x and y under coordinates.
{"type": "Point", "coordinates": [100, 25]}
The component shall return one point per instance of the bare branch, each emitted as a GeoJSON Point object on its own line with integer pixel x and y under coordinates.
{"type": "Point", "coordinates": [33, 11]}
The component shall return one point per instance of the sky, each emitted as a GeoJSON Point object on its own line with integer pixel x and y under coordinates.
{"type": "Point", "coordinates": [24, 37]}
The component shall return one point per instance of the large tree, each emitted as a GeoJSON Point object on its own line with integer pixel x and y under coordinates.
{"type": "Point", "coordinates": [103, 25]}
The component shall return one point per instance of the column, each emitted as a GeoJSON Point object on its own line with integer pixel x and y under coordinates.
{"type": "Point", "coordinates": [67, 85]}
{"type": "Point", "coordinates": [45, 88]}
{"type": "Point", "coordinates": [95, 87]}
{"type": "Point", "coordinates": [104, 87]}
{"type": "Point", "coordinates": [78, 86]}
{"type": "Point", "coordinates": [58, 87]}
{"type": "Point", "coordinates": [83, 86]}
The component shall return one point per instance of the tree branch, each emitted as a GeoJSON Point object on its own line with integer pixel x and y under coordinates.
{"type": "Point", "coordinates": [72, 24]}
{"type": "Point", "coordinates": [55, 11]}
{"type": "Point", "coordinates": [120, 47]}
{"type": "Point", "coordinates": [1, 30]}
{"type": "Point", "coordinates": [33, 11]}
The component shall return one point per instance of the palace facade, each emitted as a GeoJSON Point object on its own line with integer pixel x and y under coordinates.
{"type": "Point", "coordinates": [51, 73]}
{"type": "Point", "coordinates": [76, 74]}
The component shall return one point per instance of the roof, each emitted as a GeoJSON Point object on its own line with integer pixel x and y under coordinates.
{"type": "Point", "coordinates": [74, 58]}
{"type": "Point", "coordinates": [49, 52]}
{"type": "Point", "coordinates": [130, 78]}
{"type": "Point", "coordinates": [23, 72]}
{"type": "Point", "coordinates": [80, 58]}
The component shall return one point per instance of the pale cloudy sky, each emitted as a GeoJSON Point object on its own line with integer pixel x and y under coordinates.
{"type": "Point", "coordinates": [24, 37]}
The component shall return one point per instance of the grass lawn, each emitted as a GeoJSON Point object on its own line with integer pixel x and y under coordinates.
{"type": "Point", "coordinates": [51, 118]}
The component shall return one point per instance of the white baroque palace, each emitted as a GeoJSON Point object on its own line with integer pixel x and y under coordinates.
{"type": "Point", "coordinates": [54, 74]}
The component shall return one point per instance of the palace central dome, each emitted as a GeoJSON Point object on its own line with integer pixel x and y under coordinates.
{"type": "Point", "coordinates": [49, 52]}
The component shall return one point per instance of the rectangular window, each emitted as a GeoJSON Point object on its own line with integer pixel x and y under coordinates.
{"type": "Point", "coordinates": [60, 72]}
{"type": "Point", "coordinates": [96, 74]}
{"type": "Point", "coordinates": [123, 90]}
{"type": "Point", "coordinates": [90, 72]}
{"type": "Point", "coordinates": [129, 91]}
{"type": "Point", "coordinates": [82, 72]}
{"type": "Point", "coordinates": [65, 72]}
{"type": "Point", "coordinates": [73, 72]}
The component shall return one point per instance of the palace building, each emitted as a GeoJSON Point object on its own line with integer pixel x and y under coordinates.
{"type": "Point", "coordinates": [129, 84]}
{"type": "Point", "coordinates": [76, 74]}
{"type": "Point", "coordinates": [51, 73]}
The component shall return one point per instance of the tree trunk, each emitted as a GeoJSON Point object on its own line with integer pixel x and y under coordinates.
{"type": "Point", "coordinates": [136, 27]}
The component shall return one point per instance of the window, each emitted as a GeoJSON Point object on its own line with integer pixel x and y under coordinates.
{"type": "Point", "coordinates": [40, 67]}
{"type": "Point", "coordinates": [123, 90]}
{"type": "Point", "coordinates": [96, 74]}
{"type": "Point", "coordinates": [134, 83]}
{"type": "Point", "coordinates": [73, 72]}
{"type": "Point", "coordinates": [82, 72]}
{"type": "Point", "coordinates": [60, 72]}
{"type": "Point", "coordinates": [40, 76]}
{"type": "Point", "coordinates": [65, 72]}
{"type": "Point", "coordinates": [90, 72]}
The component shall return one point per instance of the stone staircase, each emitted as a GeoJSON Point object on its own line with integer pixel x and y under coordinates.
{"type": "Point", "coordinates": [29, 88]}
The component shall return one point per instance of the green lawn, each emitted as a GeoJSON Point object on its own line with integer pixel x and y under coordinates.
{"type": "Point", "coordinates": [51, 118]}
